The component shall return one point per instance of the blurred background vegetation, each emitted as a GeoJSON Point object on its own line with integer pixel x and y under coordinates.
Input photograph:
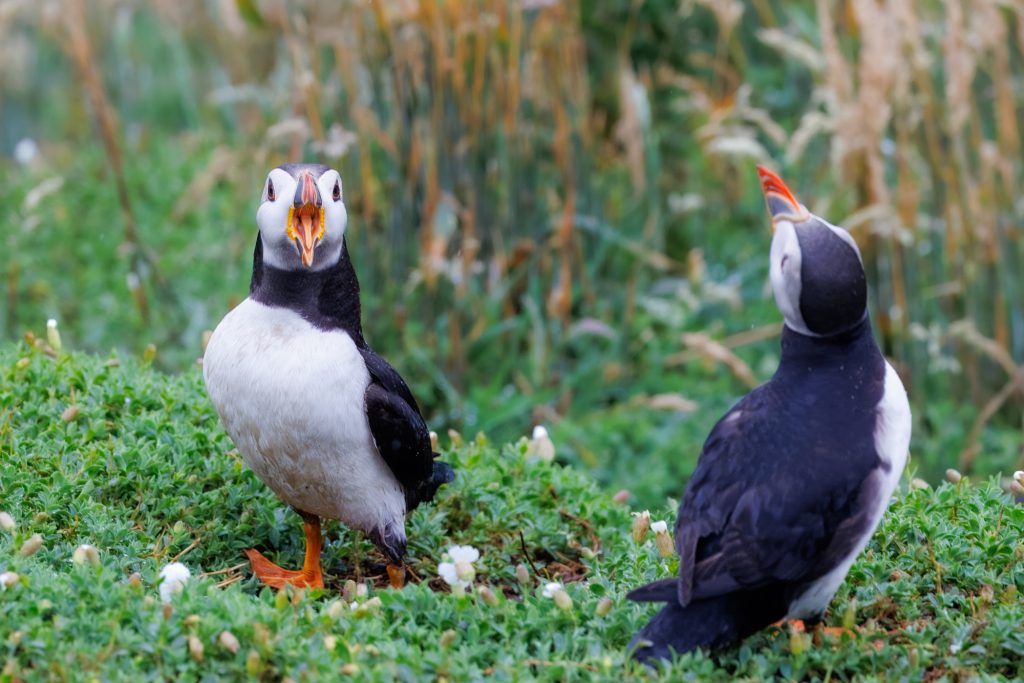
{"type": "Point", "coordinates": [553, 206]}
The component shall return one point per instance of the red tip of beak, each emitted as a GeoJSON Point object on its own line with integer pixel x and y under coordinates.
{"type": "Point", "coordinates": [781, 202]}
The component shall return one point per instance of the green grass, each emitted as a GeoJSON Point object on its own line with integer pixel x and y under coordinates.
{"type": "Point", "coordinates": [144, 472]}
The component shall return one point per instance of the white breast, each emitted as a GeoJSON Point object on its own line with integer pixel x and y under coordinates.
{"type": "Point", "coordinates": [292, 399]}
{"type": "Point", "coordinates": [892, 441]}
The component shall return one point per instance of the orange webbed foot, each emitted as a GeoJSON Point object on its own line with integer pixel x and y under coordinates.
{"type": "Point", "coordinates": [817, 631]}
{"type": "Point", "coordinates": [396, 575]}
{"type": "Point", "coordinates": [309, 576]}
{"type": "Point", "coordinates": [276, 577]}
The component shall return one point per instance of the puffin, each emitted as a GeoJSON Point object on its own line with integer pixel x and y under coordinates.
{"type": "Point", "coordinates": [793, 480]}
{"type": "Point", "coordinates": [322, 419]}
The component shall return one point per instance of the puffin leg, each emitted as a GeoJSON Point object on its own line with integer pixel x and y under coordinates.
{"type": "Point", "coordinates": [815, 627]}
{"type": "Point", "coordinates": [396, 575]}
{"type": "Point", "coordinates": [309, 576]}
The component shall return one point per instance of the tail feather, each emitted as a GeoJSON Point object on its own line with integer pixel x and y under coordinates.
{"type": "Point", "coordinates": [711, 623]}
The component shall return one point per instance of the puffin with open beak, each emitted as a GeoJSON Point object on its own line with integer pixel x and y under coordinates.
{"type": "Point", "coordinates": [321, 418]}
{"type": "Point", "coordinates": [794, 479]}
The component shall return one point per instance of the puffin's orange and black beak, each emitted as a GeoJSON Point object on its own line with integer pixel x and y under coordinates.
{"type": "Point", "coordinates": [782, 205]}
{"type": "Point", "coordinates": [306, 218]}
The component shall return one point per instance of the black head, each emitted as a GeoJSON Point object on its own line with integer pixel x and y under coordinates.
{"type": "Point", "coordinates": [816, 269]}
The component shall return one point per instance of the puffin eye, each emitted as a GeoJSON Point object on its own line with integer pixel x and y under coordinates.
{"type": "Point", "coordinates": [271, 195]}
{"type": "Point", "coordinates": [337, 190]}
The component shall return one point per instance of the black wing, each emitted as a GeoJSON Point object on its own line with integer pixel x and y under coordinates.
{"type": "Point", "coordinates": [397, 426]}
{"type": "Point", "coordinates": [748, 519]}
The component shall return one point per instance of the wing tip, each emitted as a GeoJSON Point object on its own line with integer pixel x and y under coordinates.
{"type": "Point", "coordinates": [663, 590]}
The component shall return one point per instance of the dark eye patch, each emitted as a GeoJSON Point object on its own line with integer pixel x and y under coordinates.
{"type": "Point", "coordinates": [337, 190]}
{"type": "Point", "coordinates": [271, 195]}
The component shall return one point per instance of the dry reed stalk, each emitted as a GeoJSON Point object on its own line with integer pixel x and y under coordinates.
{"type": "Point", "coordinates": [79, 48]}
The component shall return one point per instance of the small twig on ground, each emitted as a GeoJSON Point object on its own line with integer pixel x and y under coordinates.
{"type": "Point", "coordinates": [526, 554]}
{"type": "Point", "coordinates": [226, 570]}
{"type": "Point", "coordinates": [190, 546]}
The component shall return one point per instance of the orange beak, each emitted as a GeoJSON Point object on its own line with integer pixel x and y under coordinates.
{"type": "Point", "coordinates": [782, 205]}
{"type": "Point", "coordinates": [306, 219]}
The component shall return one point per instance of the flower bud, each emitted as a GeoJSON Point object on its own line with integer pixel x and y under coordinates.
{"type": "Point", "coordinates": [621, 496]}
{"type": "Point", "coordinates": [86, 553]}
{"type": "Point", "coordinates": [953, 476]}
{"type": "Point", "coordinates": [917, 483]}
{"type": "Point", "coordinates": [447, 638]}
{"type": "Point", "coordinates": [53, 335]}
{"type": "Point", "coordinates": [31, 546]}
{"type": "Point", "coordinates": [195, 647]}
{"type": "Point", "coordinates": [361, 590]}
{"type": "Point", "coordinates": [850, 615]}
{"type": "Point", "coordinates": [348, 591]}
{"type": "Point", "coordinates": [350, 669]}
{"type": "Point", "coordinates": [487, 595]}
{"type": "Point", "coordinates": [1017, 487]}
{"type": "Point", "coordinates": [70, 414]}
{"type": "Point", "coordinates": [799, 642]}
{"type": "Point", "coordinates": [253, 664]}
{"type": "Point", "coordinates": [7, 522]}
{"type": "Point", "coordinates": [229, 642]}
{"type": "Point", "coordinates": [522, 573]}
{"type": "Point", "coordinates": [335, 609]}
{"type": "Point", "coordinates": [464, 570]}
{"type": "Point", "coordinates": [641, 523]}
{"type": "Point", "coordinates": [563, 600]}
{"type": "Point", "coordinates": [8, 579]}
{"type": "Point", "coordinates": [330, 642]}
{"type": "Point", "coordinates": [604, 606]}
{"type": "Point", "coordinates": [663, 540]}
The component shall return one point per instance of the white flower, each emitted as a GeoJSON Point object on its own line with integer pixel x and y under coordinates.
{"type": "Point", "coordinates": [174, 576]}
{"type": "Point", "coordinates": [551, 588]}
{"type": "Point", "coordinates": [1019, 476]}
{"type": "Point", "coordinates": [463, 553]}
{"type": "Point", "coordinates": [447, 571]}
{"type": "Point", "coordinates": [659, 527]}
{"type": "Point", "coordinates": [457, 567]}
{"type": "Point", "coordinates": [8, 579]}
{"type": "Point", "coordinates": [26, 151]}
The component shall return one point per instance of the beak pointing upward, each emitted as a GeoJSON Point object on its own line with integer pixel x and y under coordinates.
{"type": "Point", "coordinates": [306, 218]}
{"type": "Point", "coordinates": [782, 205]}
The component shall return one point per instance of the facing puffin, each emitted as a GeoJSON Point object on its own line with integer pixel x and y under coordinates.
{"type": "Point", "coordinates": [324, 421]}
{"type": "Point", "coordinates": [793, 480]}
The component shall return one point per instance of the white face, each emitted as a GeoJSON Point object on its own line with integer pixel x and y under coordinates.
{"type": "Point", "coordinates": [784, 271]}
{"type": "Point", "coordinates": [297, 238]}
{"type": "Point", "coordinates": [785, 268]}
